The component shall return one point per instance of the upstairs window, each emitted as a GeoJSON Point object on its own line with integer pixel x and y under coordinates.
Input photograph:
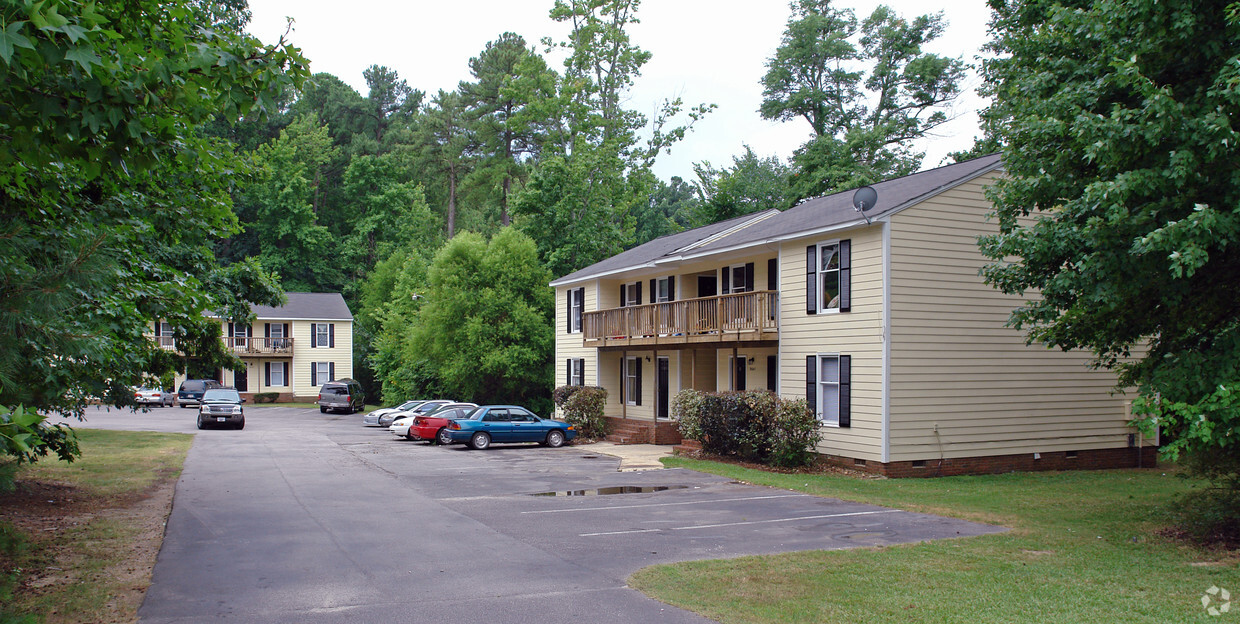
{"type": "Point", "coordinates": [576, 305]}
{"type": "Point", "coordinates": [828, 279]}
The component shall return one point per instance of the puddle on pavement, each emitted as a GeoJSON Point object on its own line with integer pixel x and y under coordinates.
{"type": "Point", "coordinates": [619, 489]}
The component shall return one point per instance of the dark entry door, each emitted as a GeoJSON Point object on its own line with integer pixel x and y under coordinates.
{"type": "Point", "coordinates": [661, 388]}
{"type": "Point", "coordinates": [240, 381]}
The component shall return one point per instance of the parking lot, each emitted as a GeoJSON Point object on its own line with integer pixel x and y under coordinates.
{"type": "Point", "coordinates": [308, 517]}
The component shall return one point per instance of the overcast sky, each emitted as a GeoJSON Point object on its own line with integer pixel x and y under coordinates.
{"type": "Point", "coordinates": [705, 51]}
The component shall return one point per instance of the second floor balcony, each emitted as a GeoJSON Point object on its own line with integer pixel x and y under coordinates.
{"type": "Point", "coordinates": [738, 316]}
{"type": "Point", "coordinates": [249, 346]}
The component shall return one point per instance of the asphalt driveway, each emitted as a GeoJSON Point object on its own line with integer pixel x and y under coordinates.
{"type": "Point", "coordinates": [308, 517]}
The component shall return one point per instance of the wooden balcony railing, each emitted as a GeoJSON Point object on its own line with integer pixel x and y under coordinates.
{"type": "Point", "coordinates": [745, 316]}
{"type": "Point", "coordinates": [242, 345]}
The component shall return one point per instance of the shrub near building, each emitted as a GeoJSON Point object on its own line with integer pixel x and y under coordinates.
{"type": "Point", "coordinates": [583, 409]}
{"type": "Point", "coordinates": [753, 425]}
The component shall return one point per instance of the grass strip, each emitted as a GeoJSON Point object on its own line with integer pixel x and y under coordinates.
{"type": "Point", "coordinates": [82, 550]}
{"type": "Point", "coordinates": [1083, 548]}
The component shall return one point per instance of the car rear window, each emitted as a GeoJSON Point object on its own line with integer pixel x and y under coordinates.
{"type": "Point", "coordinates": [193, 386]}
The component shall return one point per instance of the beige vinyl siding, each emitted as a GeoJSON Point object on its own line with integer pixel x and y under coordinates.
{"type": "Point", "coordinates": [755, 373]}
{"type": "Point", "coordinates": [956, 368]}
{"type": "Point", "coordinates": [304, 355]}
{"type": "Point", "coordinates": [571, 345]}
{"type": "Point", "coordinates": [858, 333]}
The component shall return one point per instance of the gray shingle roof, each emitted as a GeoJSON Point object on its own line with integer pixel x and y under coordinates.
{"type": "Point", "coordinates": [818, 214]}
{"type": "Point", "coordinates": [309, 307]}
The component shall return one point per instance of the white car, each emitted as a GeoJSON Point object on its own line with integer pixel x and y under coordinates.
{"type": "Point", "coordinates": [373, 417]}
{"type": "Point", "coordinates": [153, 396]}
{"type": "Point", "coordinates": [400, 428]}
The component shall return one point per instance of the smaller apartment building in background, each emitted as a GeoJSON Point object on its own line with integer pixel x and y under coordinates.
{"type": "Point", "coordinates": [290, 350]}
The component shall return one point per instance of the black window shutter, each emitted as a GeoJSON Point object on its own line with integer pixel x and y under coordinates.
{"type": "Point", "coordinates": [286, 334]}
{"type": "Point", "coordinates": [314, 335]}
{"type": "Point", "coordinates": [623, 300]}
{"type": "Point", "coordinates": [811, 382]}
{"type": "Point", "coordinates": [772, 269]}
{"type": "Point", "coordinates": [654, 291]}
{"type": "Point", "coordinates": [266, 330]}
{"type": "Point", "coordinates": [811, 279]}
{"type": "Point", "coordinates": [331, 371]}
{"type": "Point", "coordinates": [314, 374]}
{"type": "Point", "coordinates": [748, 277]}
{"type": "Point", "coordinates": [671, 288]}
{"type": "Point", "coordinates": [624, 371]}
{"type": "Point", "coordinates": [727, 280]}
{"type": "Point", "coordinates": [267, 373]}
{"type": "Point", "coordinates": [845, 390]}
{"type": "Point", "coordinates": [637, 386]}
{"type": "Point", "coordinates": [570, 372]}
{"type": "Point", "coordinates": [569, 317]}
{"type": "Point", "coordinates": [287, 381]}
{"type": "Point", "coordinates": [638, 296]}
{"type": "Point", "coordinates": [230, 330]}
{"type": "Point", "coordinates": [845, 275]}
{"type": "Point", "coordinates": [581, 366]}
{"type": "Point", "coordinates": [771, 363]}
{"type": "Point", "coordinates": [331, 338]}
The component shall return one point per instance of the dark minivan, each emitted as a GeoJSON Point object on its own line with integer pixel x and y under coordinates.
{"type": "Point", "coordinates": [192, 389]}
{"type": "Point", "coordinates": [344, 395]}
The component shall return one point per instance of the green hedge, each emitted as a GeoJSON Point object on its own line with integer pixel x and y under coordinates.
{"type": "Point", "coordinates": [266, 397]}
{"type": "Point", "coordinates": [753, 425]}
{"type": "Point", "coordinates": [584, 410]}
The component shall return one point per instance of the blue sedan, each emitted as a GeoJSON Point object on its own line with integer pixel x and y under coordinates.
{"type": "Point", "coordinates": [507, 423]}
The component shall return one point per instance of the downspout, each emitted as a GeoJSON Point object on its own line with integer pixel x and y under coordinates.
{"type": "Point", "coordinates": [886, 385]}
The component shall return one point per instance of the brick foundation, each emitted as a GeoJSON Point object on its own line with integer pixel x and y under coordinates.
{"type": "Point", "coordinates": [1095, 459]}
{"type": "Point", "coordinates": [629, 431]}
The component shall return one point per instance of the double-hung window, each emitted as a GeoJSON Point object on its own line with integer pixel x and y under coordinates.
{"type": "Point", "coordinates": [663, 290]}
{"type": "Point", "coordinates": [322, 336]}
{"type": "Point", "coordinates": [633, 381]}
{"type": "Point", "coordinates": [576, 371]}
{"type": "Point", "coordinates": [828, 285]}
{"type": "Point", "coordinates": [164, 331]}
{"type": "Point", "coordinates": [240, 332]}
{"type": "Point", "coordinates": [828, 388]}
{"type": "Point", "coordinates": [576, 305]}
{"type": "Point", "coordinates": [631, 294]}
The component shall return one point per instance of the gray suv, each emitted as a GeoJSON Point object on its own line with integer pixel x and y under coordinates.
{"type": "Point", "coordinates": [222, 407]}
{"type": "Point", "coordinates": [343, 395]}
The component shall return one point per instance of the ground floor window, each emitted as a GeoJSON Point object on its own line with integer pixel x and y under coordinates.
{"type": "Point", "coordinates": [576, 371]}
{"type": "Point", "coordinates": [829, 388]}
{"type": "Point", "coordinates": [277, 374]}
{"type": "Point", "coordinates": [633, 381]}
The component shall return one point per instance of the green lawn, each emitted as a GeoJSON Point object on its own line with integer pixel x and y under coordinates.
{"type": "Point", "coordinates": [85, 559]}
{"type": "Point", "coordinates": [1083, 548]}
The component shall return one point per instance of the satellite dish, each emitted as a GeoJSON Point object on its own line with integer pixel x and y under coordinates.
{"type": "Point", "coordinates": [863, 200]}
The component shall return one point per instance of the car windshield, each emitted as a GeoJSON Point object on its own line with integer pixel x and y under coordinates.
{"type": "Point", "coordinates": [430, 406]}
{"type": "Point", "coordinates": [471, 413]}
{"type": "Point", "coordinates": [221, 396]}
{"type": "Point", "coordinates": [407, 405]}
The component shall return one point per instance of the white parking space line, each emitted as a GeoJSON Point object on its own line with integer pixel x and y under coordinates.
{"type": "Point", "coordinates": [701, 502]}
{"type": "Point", "coordinates": [746, 523]}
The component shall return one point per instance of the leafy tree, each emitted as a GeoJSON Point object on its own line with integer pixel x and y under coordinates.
{"type": "Point", "coordinates": [391, 101]}
{"type": "Point", "coordinates": [110, 194]}
{"type": "Point", "coordinates": [863, 120]}
{"type": "Point", "coordinates": [487, 326]}
{"type": "Point", "coordinates": [390, 214]}
{"type": "Point", "coordinates": [753, 184]}
{"type": "Point", "coordinates": [669, 210]}
{"type": "Point", "coordinates": [1119, 207]}
{"type": "Point", "coordinates": [445, 140]}
{"type": "Point", "coordinates": [578, 204]}
{"type": "Point", "coordinates": [292, 242]}
{"type": "Point", "coordinates": [502, 134]}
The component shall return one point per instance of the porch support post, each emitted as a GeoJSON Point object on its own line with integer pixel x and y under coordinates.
{"type": "Point", "coordinates": [624, 381]}
{"type": "Point", "coordinates": [654, 413]}
{"type": "Point", "coordinates": [732, 373]}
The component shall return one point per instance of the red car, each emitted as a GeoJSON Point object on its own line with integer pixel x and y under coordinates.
{"type": "Point", "coordinates": [431, 426]}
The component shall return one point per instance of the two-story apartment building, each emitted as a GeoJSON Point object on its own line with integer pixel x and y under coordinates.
{"type": "Point", "coordinates": [879, 319]}
{"type": "Point", "coordinates": [291, 349]}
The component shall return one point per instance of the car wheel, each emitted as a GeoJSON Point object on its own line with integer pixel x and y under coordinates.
{"type": "Point", "coordinates": [241, 425]}
{"type": "Point", "coordinates": [183, 406]}
{"type": "Point", "coordinates": [480, 441]}
{"type": "Point", "coordinates": [201, 424]}
{"type": "Point", "coordinates": [409, 436]}
{"type": "Point", "coordinates": [555, 439]}
{"type": "Point", "coordinates": [322, 410]}
{"type": "Point", "coordinates": [443, 437]}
